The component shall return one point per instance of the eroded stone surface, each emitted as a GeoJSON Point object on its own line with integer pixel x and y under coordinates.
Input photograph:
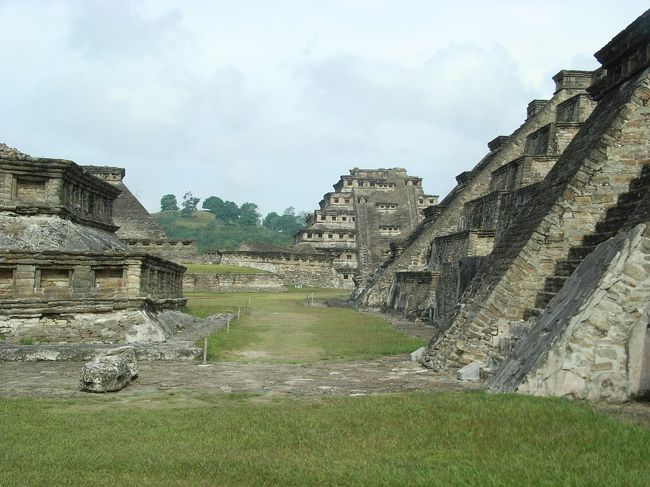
{"type": "Point", "coordinates": [109, 372]}
{"type": "Point", "coordinates": [383, 375]}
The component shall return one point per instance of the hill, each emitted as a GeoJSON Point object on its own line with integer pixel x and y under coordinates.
{"type": "Point", "coordinates": [211, 234]}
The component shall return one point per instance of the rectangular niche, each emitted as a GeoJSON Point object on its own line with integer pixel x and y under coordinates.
{"type": "Point", "coordinates": [108, 277]}
{"type": "Point", "coordinates": [389, 230]}
{"type": "Point", "coordinates": [31, 189]}
{"type": "Point", "coordinates": [6, 280]}
{"type": "Point", "coordinates": [54, 278]}
{"type": "Point", "coordinates": [386, 206]}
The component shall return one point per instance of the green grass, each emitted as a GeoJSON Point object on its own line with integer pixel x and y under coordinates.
{"type": "Point", "coordinates": [278, 327]}
{"type": "Point", "coordinates": [400, 439]}
{"type": "Point", "coordinates": [221, 269]}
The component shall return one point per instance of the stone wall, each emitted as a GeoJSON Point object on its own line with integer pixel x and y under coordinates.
{"type": "Point", "coordinates": [368, 210]}
{"type": "Point", "coordinates": [594, 170]}
{"type": "Point", "coordinates": [219, 283]}
{"type": "Point", "coordinates": [414, 293]}
{"type": "Point", "coordinates": [179, 251]}
{"type": "Point", "coordinates": [483, 179]}
{"type": "Point", "coordinates": [292, 268]}
{"type": "Point", "coordinates": [50, 287]}
{"type": "Point", "coordinates": [136, 227]}
{"type": "Point", "coordinates": [33, 185]}
{"type": "Point", "coordinates": [99, 326]}
{"type": "Point", "coordinates": [592, 341]}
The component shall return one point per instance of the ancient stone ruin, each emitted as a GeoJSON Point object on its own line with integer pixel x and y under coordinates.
{"type": "Point", "coordinates": [369, 210]}
{"type": "Point", "coordinates": [369, 213]}
{"type": "Point", "coordinates": [65, 276]}
{"type": "Point", "coordinates": [536, 266]}
{"type": "Point", "coordinates": [136, 227]}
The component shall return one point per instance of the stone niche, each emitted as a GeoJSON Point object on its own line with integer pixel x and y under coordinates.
{"type": "Point", "coordinates": [56, 187]}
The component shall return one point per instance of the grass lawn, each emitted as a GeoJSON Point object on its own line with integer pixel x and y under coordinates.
{"type": "Point", "coordinates": [278, 327]}
{"type": "Point", "coordinates": [400, 439]}
{"type": "Point", "coordinates": [221, 269]}
{"type": "Point", "coordinates": [421, 438]}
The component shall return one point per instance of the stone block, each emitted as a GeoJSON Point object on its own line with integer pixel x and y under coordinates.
{"type": "Point", "coordinates": [471, 372]}
{"type": "Point", "coordinates": [109, 372]}
{"type": "Point", "coordinates": [128, 354]}
{"type": "Point", "coordinates": [418, 354]}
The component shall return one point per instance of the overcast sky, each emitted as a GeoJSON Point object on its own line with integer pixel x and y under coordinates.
{"type": "Point", "coordinates": [270, 101]}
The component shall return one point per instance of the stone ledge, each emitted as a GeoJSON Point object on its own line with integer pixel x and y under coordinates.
{"type": "Point", "coordinates": [182, 350]}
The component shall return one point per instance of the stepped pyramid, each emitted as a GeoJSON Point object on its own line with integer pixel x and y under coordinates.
{"type": "Point", "coordinates": [536, 265]}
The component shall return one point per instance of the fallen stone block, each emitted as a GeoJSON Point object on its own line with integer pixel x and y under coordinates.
{"type": "Point", "coordinates": [471, 372]}
{"type": "Point", "coordinates": [109, 372]}
{"type": "Point", "coordinates": [128, 354]}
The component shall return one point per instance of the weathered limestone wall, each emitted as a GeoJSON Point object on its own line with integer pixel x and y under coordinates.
{"type": "Point", "coordinates": [263, 282]}
{"type": "Point", "coordinates": [471, 185]}
{"type": "Point", "coordinates": [179, 251]}
{"type": "Point", "coordinates": [101, 325]}
{"type": "Point", "coordinates": [293, 269]}
{"type": "Point", "coordinates": [414, 292]}
{"type": "Point", "coordinates": [486, 217]}
{"type": "Point", "coordinates": [137, 228]}
{"type": "Point", "coordinates": [597, 166]}
{"type": "Point", "coordinates": [54, 294]}
{"type": "Point", "coordinates": [133, 220]}
{"type": "Point", "coordinates": [368, 210]}
{"type": "Point", "coordinates": [592, 341]}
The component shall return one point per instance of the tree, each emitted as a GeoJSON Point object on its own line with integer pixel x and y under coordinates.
{"type": "Point", "coordinates": [168, 203]}
{"type": "Point", "coordinates": [248, 215]}
{"type": "Point", "coordinates": [289, 223]}
{"type": "Point", "coordinates": [229, 212]}
{"type": "Point", "coordinates": [271, 221]}
{"type": "Point", "coordinates": [213, 204]}
{"type": "Point", "coordinates": [189, 204]}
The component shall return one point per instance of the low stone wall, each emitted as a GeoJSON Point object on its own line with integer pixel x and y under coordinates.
{"type": "Point", "coordinates": [179, 251]}
{"type": "Point", "coordinates": [232, 282]}
{"type": "Point", "coordinates": [293, 269]}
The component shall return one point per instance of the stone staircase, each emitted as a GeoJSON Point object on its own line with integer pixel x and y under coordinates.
{"type": "Point", "coordinates": [615, 219]}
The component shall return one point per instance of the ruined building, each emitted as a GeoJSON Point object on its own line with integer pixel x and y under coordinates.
{"type": "Point", "coordinates": [65, 276]}
{"type": "Point", "coordinates": [369, 211]}
{"type": "Point", "coordinates": [537, 265]}
{"type": "Point", "coordinates": [136, 227]}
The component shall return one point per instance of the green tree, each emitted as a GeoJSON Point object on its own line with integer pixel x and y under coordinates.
{"type": "Point", "coordinates": [168, 203]}
{"type": "Point", "coordinates": [229, 212]}
{"type": "Point", "coordinates": [289, 223]}
{"type": "Point", "coordinates": [189, 204]}
{"type": "Point", "coordinates": [271, 220]}
{"type": "Point", "coordinates": [213, 204]}
{"type": "Point", "coordinates": [248, 215]}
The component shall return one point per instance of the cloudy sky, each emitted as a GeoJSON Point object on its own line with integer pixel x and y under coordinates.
{"type": "Point", "coordinates": [270, 101]}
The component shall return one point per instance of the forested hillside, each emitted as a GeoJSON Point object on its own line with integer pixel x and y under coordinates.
{"type": "Point", "coordinates": [224, 225]}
